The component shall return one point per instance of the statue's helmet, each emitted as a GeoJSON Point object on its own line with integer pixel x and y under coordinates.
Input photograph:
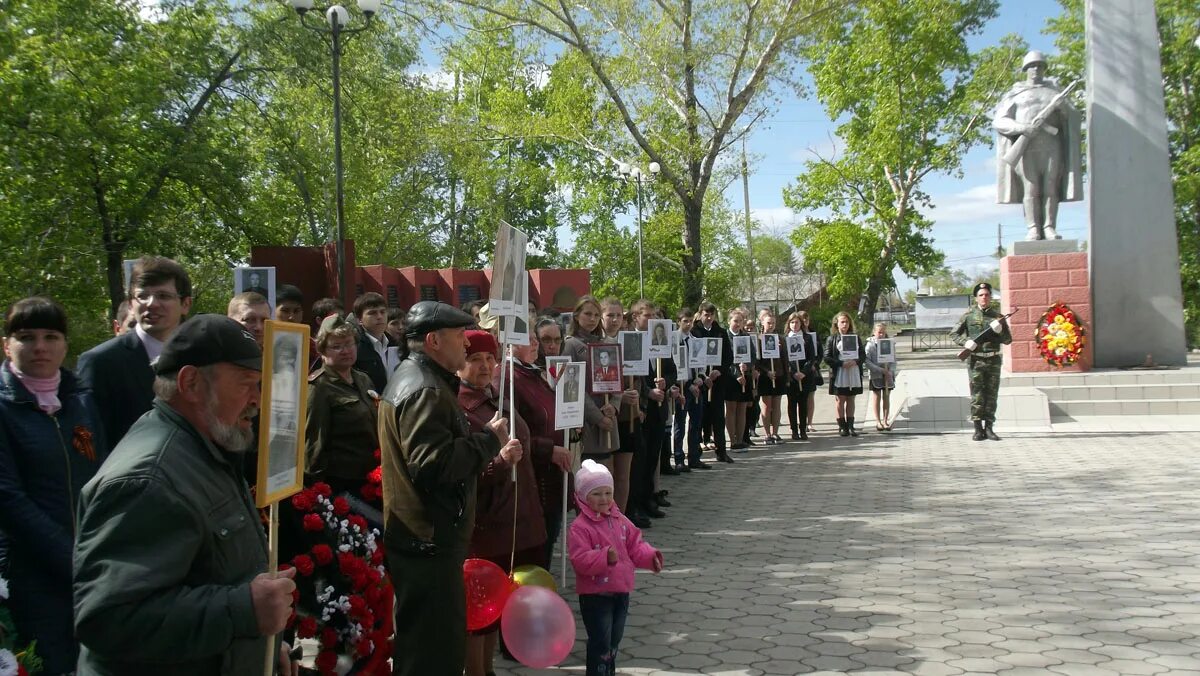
{"type": "Point", "coordinates": [1033, 57]}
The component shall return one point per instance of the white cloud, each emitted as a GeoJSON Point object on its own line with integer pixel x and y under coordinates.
{"type": "Point", "coordinates": [973, 205]}
{"type": "Point", "coordinates": [774, 218]}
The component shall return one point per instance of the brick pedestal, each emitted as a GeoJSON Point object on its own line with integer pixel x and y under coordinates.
{"type": "Point", "coordinates": [1033, 282]}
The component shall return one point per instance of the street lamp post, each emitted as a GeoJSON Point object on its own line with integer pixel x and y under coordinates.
{"type": "Point", "coordinates": [631, 172]}
{"type": "Point", "coordinates": [338, 19]}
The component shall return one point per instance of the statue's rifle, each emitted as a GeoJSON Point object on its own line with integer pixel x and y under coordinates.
{"type": "Point", "coordinates": [1017, 149]}
{"type": "Point", "coordinates": [987, 332]}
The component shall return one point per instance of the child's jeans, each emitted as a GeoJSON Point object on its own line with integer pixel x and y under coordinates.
{"type": "Point", "coordinates": [604, 618]}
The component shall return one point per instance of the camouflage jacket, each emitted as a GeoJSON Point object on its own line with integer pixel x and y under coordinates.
{"type": "Point", "coordinates": [974, 322]}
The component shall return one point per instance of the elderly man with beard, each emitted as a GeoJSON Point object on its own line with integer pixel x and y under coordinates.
{"type": "Point", "coordinates": [171, 559]}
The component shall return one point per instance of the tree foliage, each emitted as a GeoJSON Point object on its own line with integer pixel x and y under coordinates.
{"type": "Point", "coordinates": [913, 99]}
{"type": "Point", "coordinates": [1178, 30]}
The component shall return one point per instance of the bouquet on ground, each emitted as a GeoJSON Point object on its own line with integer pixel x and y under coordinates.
{"type": "Point", "coordinates": [343, 591]}
{"type": "Point", "coordinates": [16, 658]}
{"type": "Point", "coordinates": [1060, 336]}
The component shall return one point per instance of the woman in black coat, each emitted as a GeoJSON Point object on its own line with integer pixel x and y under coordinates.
{"type": "Point", "coordinates": [845, 376]}
{"type": "Point", "coordinates": [804, 375]}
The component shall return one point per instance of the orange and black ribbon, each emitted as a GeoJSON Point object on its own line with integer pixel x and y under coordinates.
{"type": "Point", "coordinates": [82, 441]}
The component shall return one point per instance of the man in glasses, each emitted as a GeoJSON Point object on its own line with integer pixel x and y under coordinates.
{"type": "Point", "coordinates": [119, 372]}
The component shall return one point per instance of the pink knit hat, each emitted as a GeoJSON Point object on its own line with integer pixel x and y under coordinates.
{"type": "Point", "coordinates": [591, 475]}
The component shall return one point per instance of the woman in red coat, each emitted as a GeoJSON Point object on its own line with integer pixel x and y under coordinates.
{"type": "Point", "coordinates": [535, 405]}
{"type": "Point", "coordinates": [497, 494]}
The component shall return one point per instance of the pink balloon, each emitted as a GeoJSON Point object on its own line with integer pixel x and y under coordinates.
{"type": "Point", "coordinates": [487, 587]}
{"type": "Point", "coordinates": [538, 627]}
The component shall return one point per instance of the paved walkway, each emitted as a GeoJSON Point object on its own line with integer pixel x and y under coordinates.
{"type": "Point", "coordinates": [932, 554]}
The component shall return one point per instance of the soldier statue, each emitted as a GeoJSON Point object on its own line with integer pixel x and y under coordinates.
{"type": "Point", "coordinates": [983, 364]}
{"type": "Point", "coordinates": [1038, 162]}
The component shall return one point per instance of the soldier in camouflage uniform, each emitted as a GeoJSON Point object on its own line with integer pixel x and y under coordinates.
{"type": "Point", "coordinates": [984, 362]}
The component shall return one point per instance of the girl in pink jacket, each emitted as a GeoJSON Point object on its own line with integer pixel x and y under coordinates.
{"type": "Point", "coordinates": [605, 548]}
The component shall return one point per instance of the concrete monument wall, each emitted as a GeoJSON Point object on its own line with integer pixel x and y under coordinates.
{"type": "Point", "coordinates": [1133, 251]}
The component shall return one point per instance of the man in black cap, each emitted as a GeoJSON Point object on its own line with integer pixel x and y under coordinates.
{"type": "Point", "coordinates": [171, 559]}
{"type": "Point", "coordinates": [984, 363]}
{"type": "Point", "coordinates": [430, 464]}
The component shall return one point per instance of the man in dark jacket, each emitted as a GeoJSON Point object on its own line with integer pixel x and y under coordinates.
{"type": "Point", "coordinates": [171, 559]}
{"type": "Point", "coordinates": [430, 465]}
{"type": "Point", "coordinates": [714, 408]}
{"type": "Point", "coordinates": [119, 371]}
{"type": "Point", "coordinates": [371, 312]}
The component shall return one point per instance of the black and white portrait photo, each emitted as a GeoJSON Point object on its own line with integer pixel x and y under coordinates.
{"type": "Point", "coordinates": [568, 395]}
{"type": "Point", "coordinates": [712, 351]}
{"type": "Point", "coordinates": [633, 353]}
{"type": "Point", "coordinates": [741, 349]}
{"type": "Point", "coordinates": [660, 339]}
{"type": "Point", "coordinates": [508, 270]}
{"type": "Point", "coordinates": [281, 432]}
{"type": "Point", "coordinates": [257, 280]}
{"type": "Point", "coordinates": [770, 346]}
{"type": "Point", "coordinates": [795, 348]}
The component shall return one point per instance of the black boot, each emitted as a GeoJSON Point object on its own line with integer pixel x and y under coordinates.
{"type": "Point", "coordinates": [724, 457]}
{"type": "Point", "coordinates": [795, 433]}
{"type": "Point", "coordinates": [850, 427]}
{"type": "Point", "coordinates": [989, 432]}
{"type": "Point", "coordinates": [979, 433]}
{"type": "Point", "coordinates": [661, 498]}
{"type": "Point", "coordinates": [843, 430]}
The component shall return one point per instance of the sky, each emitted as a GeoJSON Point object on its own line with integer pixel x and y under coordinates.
{"type": "Point", "coordinates": [965, 214]}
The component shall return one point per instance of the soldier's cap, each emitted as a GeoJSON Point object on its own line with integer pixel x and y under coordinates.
{"type": "Point", "coordinates": [1034, 56]}
{"type": "Point", "coordinates": [428, 316]}
{"type": "Point", "coordinates": [209, 339]}
{"type": "Point", "coordinates": [329, 324]}
{"type": "Point", "coordinates": [979, 286]}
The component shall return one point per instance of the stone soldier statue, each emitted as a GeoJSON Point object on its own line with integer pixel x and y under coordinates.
{"type": "Point", "coordinates": [1038, 161]}
{"type": "Point", "coordinates": [984, 363]}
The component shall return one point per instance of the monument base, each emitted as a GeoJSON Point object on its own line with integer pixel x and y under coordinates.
{"type": "Point", "coordinates": [1033, 282]}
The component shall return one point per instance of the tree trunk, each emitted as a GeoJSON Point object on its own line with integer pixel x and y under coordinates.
{"type": "Point", "coordinates": [693, 271]}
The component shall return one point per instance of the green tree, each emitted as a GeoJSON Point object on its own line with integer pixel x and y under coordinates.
{"type": "Point", "coordinates": [914, 99]}
{"type": "Point", "coordinates": [947, 281]}
{"type": "Point", "coordinates": [1178, 31]}
{"type": "Point", "coordinates": [671, 82]}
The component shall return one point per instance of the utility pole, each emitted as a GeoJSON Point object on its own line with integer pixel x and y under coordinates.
{"type": "Point", "coordinates": [999, 243]}
{"type": "Point", "coordinates": [749, 244]}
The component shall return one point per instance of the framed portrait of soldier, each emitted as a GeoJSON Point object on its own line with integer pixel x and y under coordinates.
{"type": "Point", "coordinates": [508, 264]}
{"type": "Point", "coordinates": [795, 348]}
{"type": "Point", "coordinates": [848, 347]}
{"type": "Point", "coordinates": [554, 368]}
{"type": "Point", "coordinates": [606, 368]}
{"type": "Point", "coordinates": [741, 349]}
{"type": "Point", "coordinates": [697, 352]}
{"type": "Point", "coordinates": [258, 280]}
{"type": "Point", "coordinates": [712, 351]}
{"type": "Point", "coordinates": [661, 346]}
{"type": "Point", "coordinates": [770, 346]}
{"type": "Point", "coordinates": [568, 396]}
{"type": "Point", "coordinates": [284, 405]}
{"type": "Point", "coordinates": [633, 353]}
{"type": "Point", "coordinates": [681, 360]}
{"type": "Point", "coordinates": [887, 351]}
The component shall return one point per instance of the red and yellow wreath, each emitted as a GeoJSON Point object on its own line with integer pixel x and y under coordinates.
{"type": "Point", "coordinates": [1060, 335]}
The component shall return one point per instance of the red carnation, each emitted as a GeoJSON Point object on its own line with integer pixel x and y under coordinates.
{"type": "Point", "coordinates": [323, 554]}
{"type": "Point", "coordinates": [346, 563]}
{"type": "Point", "coordinates": [377, 557]}
{"type": "Point", "coordinates": [304, 501]}
{"type": "Point", "coordinates": [329, 638]}
{"type": "Point", "coordinates": [369, 493]}
{"type": "Point", "coordinates": [377, 455]}
{"type": "Point", "coordinates": [306, 627]}
{"type": "Point", "coordinates": [357, 520]}
{"type": "Point", "coordinates": [364, 647]}
{"type": "Point", "coordinates": [340, 506]}
{"type": "Point", "coordinates": [313, 523]}
{"type": "Point", "coordinates": [358, 605]}
{"type": "Point", "coordinates": [376, 475]}
{"type": "Point", "coordinates": [322, 489]}
{"type": "Point", "coordinates": [359, 581]}
{"type": "Point", "coordinates": [304, 564]}
{"type": "Point", "coordinates": [326, 661]}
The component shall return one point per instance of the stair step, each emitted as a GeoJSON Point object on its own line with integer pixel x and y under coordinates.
{"type": "Point", "coordinates": [1183, 376]}
{"type": "Point", "coordinates": [1100, 392]}
{"type": "Point", "coordinates": [1188, 406]}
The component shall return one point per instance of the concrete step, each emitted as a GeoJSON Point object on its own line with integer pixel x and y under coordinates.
{"type": "Point", "coordinates": [1094, 407]}
{"type": "Point", "coordinates": [1184, 376]}
{"type": "Point", "coordinates": [1103, 392]}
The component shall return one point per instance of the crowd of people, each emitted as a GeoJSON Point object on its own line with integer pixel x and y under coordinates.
{"type": "Point", "coordinates": [128, 527]}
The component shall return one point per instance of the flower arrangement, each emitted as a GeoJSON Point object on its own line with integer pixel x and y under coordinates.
{"type": "Point", "coordinates": [1060, 335]}
{"type": "Point", "coordinates": [350, 597]}
{"type": "Point", "coordinates": [15, 659]}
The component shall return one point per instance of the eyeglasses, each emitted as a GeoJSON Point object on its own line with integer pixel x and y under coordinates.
{"type": "Point", "coordinates": [160, 296]}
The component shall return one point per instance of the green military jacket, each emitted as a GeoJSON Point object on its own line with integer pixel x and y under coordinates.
{"type": "Point", "coordinates": [974, 322]}
{"type": "Point", "coordinates": [169, 540]}
{"type": "Point", "coordinates": [341, 433]}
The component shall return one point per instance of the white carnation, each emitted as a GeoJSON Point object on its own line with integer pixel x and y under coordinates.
{"type": "Point", "coordinates": [8, 663]}
{"type": "Point", "coordinates": [3, 589]}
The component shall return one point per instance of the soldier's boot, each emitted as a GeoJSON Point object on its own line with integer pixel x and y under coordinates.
{"type": "Point", "coordinates": [989, 433]}
{"type": "Point", "coordinates": [1034, 234]}
{"type": "Point", "coordinates": [842, 430]}
{"type": "Point", "coordinates": [979, 433]}
{"type": "Point", "coordinates": [1051, 232]}
{"type": "Point", "coordinates": [850, 427]}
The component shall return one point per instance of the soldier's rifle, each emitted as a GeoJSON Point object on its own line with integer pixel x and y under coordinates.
{"type": "Point", "coordinates": [1017, 149]}
{"type": "Point", "coordinates": [987, 332]}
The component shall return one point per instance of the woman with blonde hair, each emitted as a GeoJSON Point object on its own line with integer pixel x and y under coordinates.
{"type": "Point", "coordinates": [846, 376]}
{"type": "Point", "coordinates": [772, 381]}
{"type": "Point", "coordinates": [804, 375]}
{"type": "Point", "coordinates": [739, 390]}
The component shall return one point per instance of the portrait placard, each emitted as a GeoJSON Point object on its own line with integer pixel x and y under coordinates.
{"type": "Point", "coordinates": [508, 262]}
{"type": "Point", "coordinates": [770, 346]}
{"type": "Point", "coordinates": [795, 346]}
{"type": "Point", "coordinates": [887, 351]}
{"type": "Point", "coordinates": [258, 280]}
{"type": "Point", "coordinates": [282, 412]}
{"type": "Point", "coordinates": [712, 351]}
{"type": "Point", "coordinates": [848, 347]}
{"type": "Point", "coordinates": [697, 352]}
{"type": "Point", "coordinates": [661, 346]}
{"type": "Point", "coordinates": [633, 353]}
{"type": "Point", "coordinates": [605, 359]}
{"type": "Point", "coordinates": [741, 349]}
{"type": "Point", "coordinates": [568, 396]}
{"type": "Point", "coordinates": [554, 368]}
{"type": "Point", "coordinates": [681, 361]}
